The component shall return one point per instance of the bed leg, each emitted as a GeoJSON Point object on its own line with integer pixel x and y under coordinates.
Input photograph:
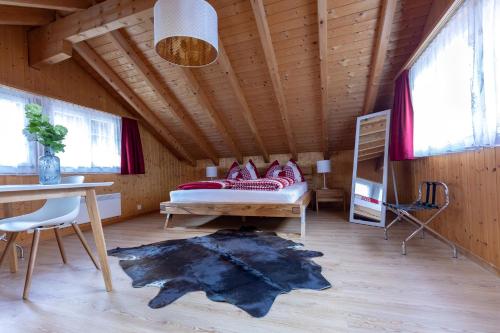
{"type": "Point", "coordinates": [303, 222]}
{"type": "Point", "coordinates": [166, 221]}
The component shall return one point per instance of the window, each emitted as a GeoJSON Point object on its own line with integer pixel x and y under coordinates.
{"type": "Point", "coordinates": [92, 143]}
{"type": "Point", "coordinates": [455, 83]}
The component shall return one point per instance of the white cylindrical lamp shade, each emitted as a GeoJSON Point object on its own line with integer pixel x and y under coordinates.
{"type": "Point", "coordinates": [324, 166]}
{"type": "Point", "coordinates": [211, 172]}
{"type": "Point", "coordinates": [185, 32]}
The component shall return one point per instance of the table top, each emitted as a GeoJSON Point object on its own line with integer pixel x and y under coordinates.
{"type": "Point", "coordinates": [40, 187]}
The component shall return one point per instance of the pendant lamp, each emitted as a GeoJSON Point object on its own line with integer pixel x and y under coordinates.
{"type": "Point", "coordinates": [185, 32]}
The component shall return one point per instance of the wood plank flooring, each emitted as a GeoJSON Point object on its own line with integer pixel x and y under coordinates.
{"type": "Point", "coordinates": [375, 289]}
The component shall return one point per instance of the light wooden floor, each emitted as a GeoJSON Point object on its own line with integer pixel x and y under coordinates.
{"type": "Point", "coordinates": [375, 289]}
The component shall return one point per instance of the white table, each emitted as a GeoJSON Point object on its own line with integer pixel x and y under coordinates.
{"type": "Point", "coordinates": [17, 193]}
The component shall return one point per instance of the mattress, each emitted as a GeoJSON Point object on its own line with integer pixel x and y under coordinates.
{"type": "Point", "coordinates": [289, 194]}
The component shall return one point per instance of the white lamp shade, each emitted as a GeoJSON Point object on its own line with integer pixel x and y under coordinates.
{"type": "Point", "coordinates": [211, 171]}
{"type": "Point", "coordinates": [324, 166]}
{"type": "Point", "coordinates": [185, 32]}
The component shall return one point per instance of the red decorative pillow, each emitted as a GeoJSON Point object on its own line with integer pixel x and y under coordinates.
{"type": "Point", "coordinates": [273, 170]}
{"type": "Point", "coordinates": [296, 173]}
{"type": "Point", "coordinates": [287, 172]}
{"type": "Point", "coordinates": [250, 171]}
{"type": "Point", "coordinates": [234, 171]}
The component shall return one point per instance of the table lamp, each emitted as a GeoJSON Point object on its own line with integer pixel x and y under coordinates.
{"type": "Point", "coordinates": [211, 172]}
{"type": "Point", "coordinates": [324, 167]}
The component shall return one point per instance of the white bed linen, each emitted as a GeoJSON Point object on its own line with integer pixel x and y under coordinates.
{"type": "Point", "coordinates": [289, 194]}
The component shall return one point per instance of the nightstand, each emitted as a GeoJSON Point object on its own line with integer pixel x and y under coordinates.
{"type": "Point", "coordinates": [330, 195]}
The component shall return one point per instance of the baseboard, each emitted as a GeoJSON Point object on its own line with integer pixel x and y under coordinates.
{"type": "Point", "coordinates": [478, 260]}
{"type": "Point", "coordinates": [471, 256]}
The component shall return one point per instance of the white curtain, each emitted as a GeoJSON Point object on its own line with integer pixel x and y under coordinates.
{"type": "Point", "coordinates": [93, 143]}
{"type": "Point", "coordinates": [17, 155]}
{"type": "Point", "coordinates": [454, 83]}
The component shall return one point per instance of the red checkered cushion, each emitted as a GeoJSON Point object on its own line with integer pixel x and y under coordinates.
{"type": "Point", "coordinates": [273, 170]}
{"type": "Point", "coordinates": [250, 171]}
{"type": "Point", "coordinates": [234, 171]}
{"type": "Point", "coordinates": [287, 172]}
{"type": "Point", "coordinates": [296, 172]}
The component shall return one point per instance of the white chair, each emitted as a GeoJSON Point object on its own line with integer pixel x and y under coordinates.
{"type": "Point", "coordinates": [54, 214]}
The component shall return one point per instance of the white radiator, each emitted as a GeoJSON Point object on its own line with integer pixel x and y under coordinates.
{"type": "Point", "coordinates": [110, 205]}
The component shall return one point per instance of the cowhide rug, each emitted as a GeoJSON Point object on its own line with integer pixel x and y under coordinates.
{"type": "Point", "coordinates": [243, 267]}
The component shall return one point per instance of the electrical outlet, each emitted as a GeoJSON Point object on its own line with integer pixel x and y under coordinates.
{"type": "Point", "coordinates": [139, 207]}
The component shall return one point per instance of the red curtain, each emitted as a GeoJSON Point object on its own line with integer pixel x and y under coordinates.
{"type": "Point", "coordinates": [401, 140]}
{"type": "Point", "coordinates": [132, 156]}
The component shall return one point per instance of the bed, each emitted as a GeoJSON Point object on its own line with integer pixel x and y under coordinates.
{"type": "Point", "coordinates": [291, 201]}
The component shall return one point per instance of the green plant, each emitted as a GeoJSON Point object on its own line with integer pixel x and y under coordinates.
{"type": "Point", "coordinates": [40, 129]}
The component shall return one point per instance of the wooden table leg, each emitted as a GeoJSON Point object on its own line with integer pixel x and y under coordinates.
{"type": "Point", "coordinates": [12, 253]}
{"type": "Point", "coordinates": [13, 259]}
{"type": "Point", "coordinates": [95, 221]}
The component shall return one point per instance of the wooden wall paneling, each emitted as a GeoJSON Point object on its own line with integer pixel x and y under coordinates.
{"type": "Point", "coordinates": [242, 45]}
{"type": "Point", "coordinates": [224, 61]}
{"type": "Point", "coordinates": [471, 220]}
{"type": "Point", "coordinates": [323, 57]}
{"type": "Point", "coordinates": [10, 15]}
{"type": "Point", "coordinates": [141, 37]}
{"type": "Point", "coordinates": [451, 9]}
{"type": "Point", "coordinates": [202, 98]}
{"type": "Point", "coordinates": [270, 56]}
{"type": "Point", "coordinates": [46, 43]}
{"type": "Point", "coordinates": [409, 16]}
{"type": "Point", "coordinates": [112, 78]}
{"type": "Point", "coordinates": [294, 31]}
{"type": "Point", "coordinates": [379, 54]}
{"type": "Point", "coordinates": [437, 10]}
{"type": "Point", "coordinates": [120, 41]}
{"type": "Point", "coordinates": [62, 5]}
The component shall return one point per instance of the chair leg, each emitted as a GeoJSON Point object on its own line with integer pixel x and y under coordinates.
{"type": "Point", "coordinates": [31, 265]}
{"type": "Point", "coordinates": [61, 246]}
{"type": "Point", "coordinates": [9, 247]}
{"type": "Point", "coordinates": [86, 246]}
{"type": "Point", "coordinates": [386, 229]}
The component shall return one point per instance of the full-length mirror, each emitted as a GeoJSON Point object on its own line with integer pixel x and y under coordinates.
{"type": "Point", "coordinates": [369, 177]}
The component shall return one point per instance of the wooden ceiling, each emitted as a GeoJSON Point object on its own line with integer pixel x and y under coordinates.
{"type": "Point", "coordinates": [292, 75]}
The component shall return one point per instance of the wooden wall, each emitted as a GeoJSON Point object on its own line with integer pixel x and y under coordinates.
{"type": "Point", "coordinates": [473, 218]}
{"type": "Point", "coordinates": [68, 81]}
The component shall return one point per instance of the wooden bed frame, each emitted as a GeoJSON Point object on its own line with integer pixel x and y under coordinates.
{"type": "Point", "coordinates": [296, 209]}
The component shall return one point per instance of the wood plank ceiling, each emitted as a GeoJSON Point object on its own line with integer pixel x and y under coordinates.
{"type": "Point", "coordinates": [264, 95]}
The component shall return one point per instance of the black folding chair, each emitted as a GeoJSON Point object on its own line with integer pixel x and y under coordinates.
{"type": "Point", "coordinates": [403, 212]}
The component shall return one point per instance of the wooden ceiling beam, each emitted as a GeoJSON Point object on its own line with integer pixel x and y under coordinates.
{"type": "Point", "coordinates": [213, 114]}
{"type": "Point", "coordinates": [10, 15]}
{"type": "Point", "coordinates": [323, 59]}
{"type": "Point", "coordinates": [63, 5]}
{"type": "Point", "coordinates": [225, 63]}
{"type": "Point", "coordinates": [379, 53]}
{"type": "Point", "coordinates": [163, 93]}
{"type": "Point", "coordinates": [272, 65]}
{"type": "Point", "coordinates": [47, 43]}
{"type": "Point", "coordinates": [103, 69]}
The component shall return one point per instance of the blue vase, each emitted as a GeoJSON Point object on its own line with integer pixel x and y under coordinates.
{"type": "Point", "coordinates": [49, 168]}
